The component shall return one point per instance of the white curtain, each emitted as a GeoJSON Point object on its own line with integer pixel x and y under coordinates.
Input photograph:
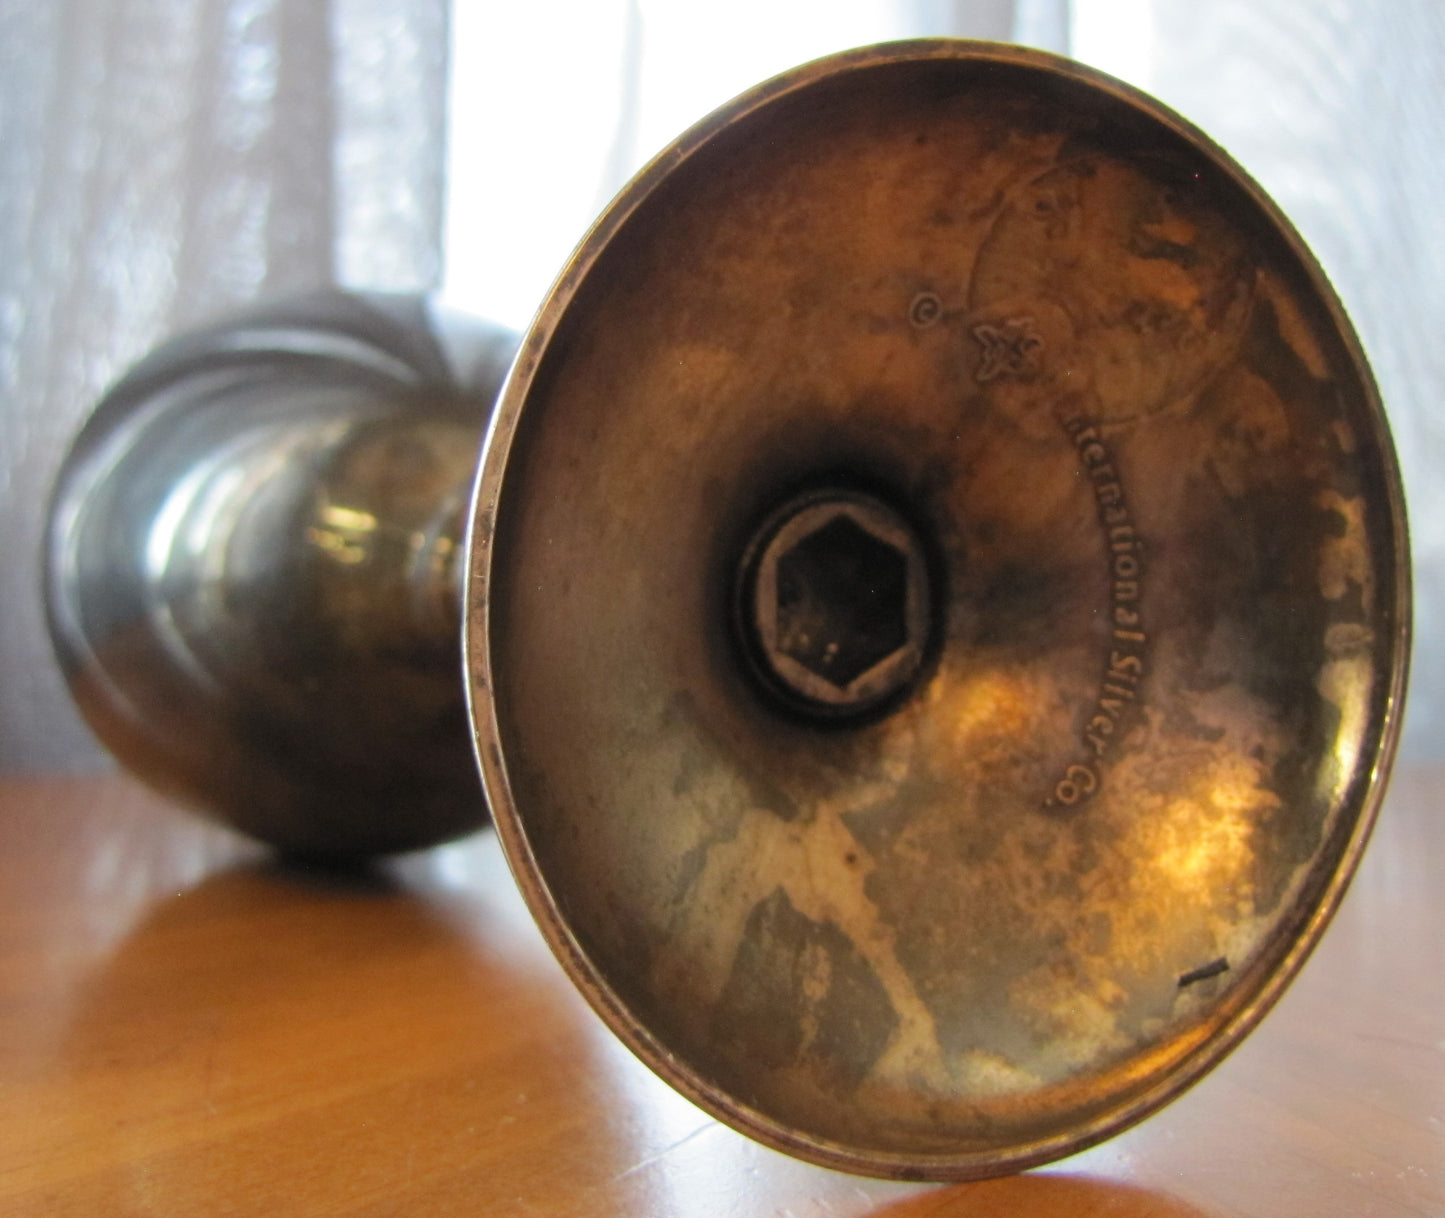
{"type": "Point", "coordinates": [555, 105]}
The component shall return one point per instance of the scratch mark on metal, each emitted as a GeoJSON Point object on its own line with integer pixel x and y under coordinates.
{"type": "Point", "coordinates": [1204, 972]}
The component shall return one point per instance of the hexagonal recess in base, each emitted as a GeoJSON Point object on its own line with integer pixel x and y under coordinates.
{"type": "Point", "coordinates": [835, 602]}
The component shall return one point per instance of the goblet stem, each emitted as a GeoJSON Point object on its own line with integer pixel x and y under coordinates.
{"type": "Point", "coordinates": [254, 569]}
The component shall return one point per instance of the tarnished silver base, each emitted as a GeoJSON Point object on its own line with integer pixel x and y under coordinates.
{"type": "Point", "coordinates": [937, 603]}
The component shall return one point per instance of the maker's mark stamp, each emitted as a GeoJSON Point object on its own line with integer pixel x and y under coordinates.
{"type": "Point", "coordinates": [1011, 348]}
{"type": "Point", "coordinates": [1127, 658]}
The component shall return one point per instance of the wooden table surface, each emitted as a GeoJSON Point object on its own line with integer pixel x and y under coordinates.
{"type": "Point", "coordinates": [190, 1028]}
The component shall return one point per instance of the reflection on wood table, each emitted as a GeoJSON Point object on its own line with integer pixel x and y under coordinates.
{"type": "Point", "coordinates": [188, 1027]}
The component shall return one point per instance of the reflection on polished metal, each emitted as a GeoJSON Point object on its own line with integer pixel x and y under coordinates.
{"type": "Point", "coordinates": [253, 577]}
{"type": "Point", "coordinates": [1145, 490]}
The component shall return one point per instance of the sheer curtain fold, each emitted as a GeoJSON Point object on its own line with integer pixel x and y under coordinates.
{"type": "Point", "coordinates": [563, 102]}
{"type": "Point", "coordinates": [162, 161]}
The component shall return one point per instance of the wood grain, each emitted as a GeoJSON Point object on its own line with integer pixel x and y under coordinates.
{"type": "Point", "coordinates": [188, 1027]}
